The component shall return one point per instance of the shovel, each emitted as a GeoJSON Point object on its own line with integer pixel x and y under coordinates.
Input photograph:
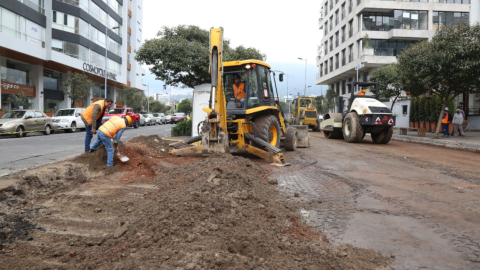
{"type": "Point", "coordinates": [122, 158]}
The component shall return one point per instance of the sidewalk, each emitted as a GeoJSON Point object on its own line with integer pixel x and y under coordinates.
{"type": "Point", "coordinates": [470, 142]}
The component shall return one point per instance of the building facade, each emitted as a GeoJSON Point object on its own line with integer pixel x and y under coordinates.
{"type": "Point", "coordinates": [391, 27]}
{"type": "Point", "coordinates": [42, 40]}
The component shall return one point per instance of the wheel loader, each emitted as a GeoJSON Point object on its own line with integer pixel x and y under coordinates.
{"type": "Point", "coordinates": [253, 123]}
{"type": "Point", "coordinates": [358, 115]}
{"type": "Point", "coordinates": [304, 112]}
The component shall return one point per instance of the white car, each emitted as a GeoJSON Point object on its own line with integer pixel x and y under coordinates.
{"type": "Point", "coordinates": [68, 120]}
{"type": "Point", "coordinates": [161, 117]}
{"type": "Point", "coordinates": [149, 120]}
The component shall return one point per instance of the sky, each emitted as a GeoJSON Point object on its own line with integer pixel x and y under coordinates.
{"type": "Point", "coordinates": [283, 30]}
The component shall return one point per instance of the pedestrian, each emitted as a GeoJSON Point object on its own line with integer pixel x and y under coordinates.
{"type": "Point", "coordinates": [457, 123]}
{"type": "Point", "coordinates": [445, 123]}
{"type": "Point", "coordinates": [112, 129]}
{"type": "Point", "coordinates": [92, 117]}
{"type": "Point", "coordinates": [463, 114]}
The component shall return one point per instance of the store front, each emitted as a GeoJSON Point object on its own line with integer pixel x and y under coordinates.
{"type": "Point", "coordinates": [16, 78]}
{"type": "Point", "coordinates": [52, 89]}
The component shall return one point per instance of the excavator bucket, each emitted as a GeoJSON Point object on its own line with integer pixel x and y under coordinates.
{"type": "Point", "coordinates": [303, 139]}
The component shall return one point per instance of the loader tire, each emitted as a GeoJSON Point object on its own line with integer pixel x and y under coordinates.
{"type": "Point", "coordinates": [291, 139]}
{"type": "Point", "coordinates": [352, 128]}
{"type": "Point", "coordinates": [383, 137]}
{"type": "Point", "coordinates": [268, 129]}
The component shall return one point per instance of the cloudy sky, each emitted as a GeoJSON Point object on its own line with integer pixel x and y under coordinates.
{"type": "Point", "coordinates": [283, 30]}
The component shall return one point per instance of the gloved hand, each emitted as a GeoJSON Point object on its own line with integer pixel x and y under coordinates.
{"type": "Point", "coordinates": [115, 145]}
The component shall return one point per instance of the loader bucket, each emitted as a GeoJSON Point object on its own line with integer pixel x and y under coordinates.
{"type": "Point", "coordinates": [303, 139]}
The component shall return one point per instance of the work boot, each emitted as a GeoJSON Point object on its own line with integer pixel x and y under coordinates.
{"type": "Point", "coordinates": [91, 151]}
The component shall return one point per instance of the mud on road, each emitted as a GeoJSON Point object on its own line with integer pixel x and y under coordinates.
{"type": "Point", "coordinates": [418, 203]}
{"type": "Point", "coordinates": [162, 212]}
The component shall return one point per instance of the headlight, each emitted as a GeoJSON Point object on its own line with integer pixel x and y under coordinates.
{"type": "Point", "coordinates": [65, 120]}
{"type": "Point", "coordinates": [9, 124]}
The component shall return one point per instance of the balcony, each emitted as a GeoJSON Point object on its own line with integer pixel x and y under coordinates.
{"type": "Point", "coordinates": [33, 6]}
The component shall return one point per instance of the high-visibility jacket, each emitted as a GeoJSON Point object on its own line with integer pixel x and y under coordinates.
{"type": "Point", "coordinates": [239, 92]}
{"type": "Point", "coordinates": [112, 126]}
{"type": "Point", "coordinates": [445, 118]}
{"type": "Point", "coordinates": [87, 113]}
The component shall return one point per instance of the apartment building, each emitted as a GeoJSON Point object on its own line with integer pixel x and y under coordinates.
{"type": "Point", "coordinates": [391, 27]}
{"type": "Point", "coordinates": [42, 40]}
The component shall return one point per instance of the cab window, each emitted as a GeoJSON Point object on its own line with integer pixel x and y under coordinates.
{"type": "Point", "coordinates": [265, 87]}
{"type": "Point", "coordinates": [252, 89]}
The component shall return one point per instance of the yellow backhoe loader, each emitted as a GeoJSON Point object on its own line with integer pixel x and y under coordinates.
{"type": "Point", "coordinates": [304, 112]}
{"type": "Point", "coordinates": [252, 121]}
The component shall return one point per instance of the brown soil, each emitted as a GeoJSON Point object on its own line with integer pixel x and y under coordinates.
{"type": "Point", "coordinates": [218, 212]}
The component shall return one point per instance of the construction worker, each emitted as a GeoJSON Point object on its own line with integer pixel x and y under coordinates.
{"type": "Point", "coordinates": [445, 123]}
{"type": "Point", "coordinates": [92, 117]}
{"type": "Point", "coordinates": [239, 90]}
{"type": "Point", "coordinates": [114, 127]}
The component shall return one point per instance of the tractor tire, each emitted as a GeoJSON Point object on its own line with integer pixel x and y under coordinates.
{"type": "Point", "coordinates": [383, 137]}
{"type": "Point", "coordinates": [268, 129]}
{"type": "Point", "coordinates": [137, 124]}
{"type": "Point", "coordinates": [290, 142]}
{"type": "Point", "coordinates": [352, 128]}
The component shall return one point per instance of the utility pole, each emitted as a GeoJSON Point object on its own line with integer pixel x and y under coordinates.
{"type": "Point", "coordinates": [106, 56]}
{"type": "Point", "coordinates": [305, 89]}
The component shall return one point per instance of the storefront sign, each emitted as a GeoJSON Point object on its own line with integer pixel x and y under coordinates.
{"type": "Point", "coordinates": [15, 89]}
{"type": "Point", "coordinates": [99, 71]}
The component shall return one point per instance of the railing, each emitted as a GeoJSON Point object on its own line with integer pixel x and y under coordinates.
{"type": "Point", "coordinates": [14, 33]}
{"type": "Point", "coordinates": [33, 6]}
{"type": "Point", "coordinates": [67, 28]}
{"type": "Point", "coordinates": [74, 3]}
{"type": "Point", "coordinates": [385, 52]}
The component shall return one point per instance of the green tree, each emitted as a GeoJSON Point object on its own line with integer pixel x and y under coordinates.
{"type": "Point", "coordinates": [330, 99]}
{"type": "Point", "coordinates": [447, 66]}
{"type": "Point", "coordinates": [319, 100]}
{"type": "Point", "coordinates": [389, 83]}
{"type": "Point", "coordinates": [77, 87]}
{"type": "Point", "coordinates": [180, 55]}
{"type": "Point", "coordinates": [132, 98]}
{"type": "Point", "coordinates": [426, 108]}
{"type": "Point", "coordinates": [411, 116]}
{"type": "Point", "coordinates": [185, 106]}
{"type": "Point", "coordinates": [158, 107]}
{"type": "Point", "coordinates": [18, 100]}
{"type": "Point", "coordinates": [421, 109]}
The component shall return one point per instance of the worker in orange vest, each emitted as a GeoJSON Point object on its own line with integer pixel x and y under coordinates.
{"type": "Point", "coordinates": [92, 118]}
{"type": "Point", "coordinates": [111, 129]}
{"type": "Point", "coordinates": [239, 90]}
{"type": "Point", "coordinates": [445, 123]}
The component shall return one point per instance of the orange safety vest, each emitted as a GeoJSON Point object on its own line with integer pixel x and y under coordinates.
{"type": "Point", "coordinates": [445, 119]}
{"type": "Point", "coordinates": [112, 126]}
{"type": "Point", "coordinates": [240, 91]}
{"type": "Point", "coordinates": [87, 113]}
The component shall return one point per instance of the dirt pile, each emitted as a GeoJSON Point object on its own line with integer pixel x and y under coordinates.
{"type": "Point", "coordinates": [18, 203]}
{"type": "Point", "coordinates": [221, 213]}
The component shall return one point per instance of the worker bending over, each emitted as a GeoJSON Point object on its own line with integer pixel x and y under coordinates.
{"type": "Point", "coordinates": [92, 117]}
{"type": "Point", "coordinates": [114, 127]}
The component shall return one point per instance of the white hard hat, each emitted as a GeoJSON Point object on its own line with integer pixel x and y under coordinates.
{"type": "Point", "coordinates": [446, 108]}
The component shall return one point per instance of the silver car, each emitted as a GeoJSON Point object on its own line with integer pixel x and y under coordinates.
{"type": "Point", "coordinates": [160, 117]}
{"type": "Point", "coordinates": [21, 122]}
{"type": "Point", "coordinates": [149, 120]}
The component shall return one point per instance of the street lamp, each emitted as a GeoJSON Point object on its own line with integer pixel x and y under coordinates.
{"type": "Point", "coordinates": [307, 87]}
{"type": "Point", "coordinates": [287, 90]}
{"type": "Point", "coordinates": [358, 67]}
{"type": "Point", "coordinates": [106, 56]}
{"type": "Point", "coordinates": [305, 90]}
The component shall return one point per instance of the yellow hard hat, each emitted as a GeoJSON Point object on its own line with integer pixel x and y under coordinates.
{"type": "Point", "coordinates": [129, 119]}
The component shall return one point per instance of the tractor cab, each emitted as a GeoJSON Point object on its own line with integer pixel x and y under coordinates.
{"type": "Point", "coordinates": [254, 80]}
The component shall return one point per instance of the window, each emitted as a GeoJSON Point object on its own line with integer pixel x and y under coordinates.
{"type": "Point", "coordinates": [343, 11]}
{"type": "Point", "coordinates": [344, 87]}
{"type": "Point", "coordinates": [54, 16]}
{"type": "Point", "coordinates": [336, 39]}
{"type": "Point", "coordinates": [331, 43]}
{"type": "Point", "coordinates": [350, 28]}
{"type": "Point", "coordinates": [331, 64]}
{"type": "Point", "coordinates": [359, 2]}
{"type": "Point", "coordinates": [343, 57]}
{"type": "Point", "coordinates": [337, 88]}
{"type": "Point", "coordinates": [404, 109]}
{"type": "Point", "coordinates": [331, 22]}
{"type": "Point", "coordinates": [350, 56]}
{"type": "Point", "coordinates": [350, 6]}
{"type": "Point", "coordinates": [336, 17]}
{"type": "Point", "coordinates": [326, 8]}
{"type": "Point", "coordinates": [448, 18]}
{"type": "Point", "coordinates": [366, 77]}
{"type": "Point", "coordinates": [326, 67]}
{"type": "Point", "coordinates": [326, 28]}
{"type": "Point", "coordinates": [326, 47]}
{"type": "Point", "coordinates": [384, 47]}
{"type": "Point", "coordinates": [336, 61]}
{"type": "Point", "coordinates": [343, 34]}
{"type": "Point", "coordinates": [321, 70]}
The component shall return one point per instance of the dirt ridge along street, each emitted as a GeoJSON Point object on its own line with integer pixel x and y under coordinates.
{"type": "Point", "coordinates": [162, 212]}
{"type": "Point", "coordinates": [417, 202]}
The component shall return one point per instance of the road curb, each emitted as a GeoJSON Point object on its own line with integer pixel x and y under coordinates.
{"type": "Point", "coordinates": [467, 146]}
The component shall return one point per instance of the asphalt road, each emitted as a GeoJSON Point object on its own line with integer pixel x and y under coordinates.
{"type": "Point", "coordinates": [37, 149]}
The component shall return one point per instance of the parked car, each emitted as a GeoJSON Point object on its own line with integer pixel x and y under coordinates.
{"type": "Point", "coordinates": [142, 120]}
{"type": "Point", "coordinates": [178, 117]}
{"type": "Point", "coordinates": [68, 119]}
{"type": "Point", "coordinates": [150, 119]}
{"type": "Point", "coordinates": [168, 119]}
{"type": "Point", "coordinates": [122, 112]}
{"type": "Point", "coordinates": [20, 122]}
{"type": "Point", "coordinates": [160, 116]}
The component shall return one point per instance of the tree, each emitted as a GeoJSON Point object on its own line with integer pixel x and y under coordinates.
{"type": "Point", "coordinates": [18, 100]}
{"type": "Point", "coordinates": [180, 55]}
{"type": "Point", "coordinates": [319, 100]}
{"type": "Point", "coordinates": [330, 99]}
{"type": "Point", "coordinates": [389, 83]}
{"type": "Point", "coordinates": [185, 106]}
{"type": "Point", "coordinates": [77, 87]}
{"type": "Point", "coordinates": [411, 116]}
{"type": "Point", "coordinates": [283, 106]}
{"type": "Point", "coordinates": [133, 98]}
{"type": "Point", "coordinates": [158, 107]}
{"type": "Point", "coordinates": [446, 67]}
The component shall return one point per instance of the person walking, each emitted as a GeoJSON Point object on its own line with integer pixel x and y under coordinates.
{"type": "Point", "coordinates": [445, 123]}
{"type": "Point", "coordinates": [112, 129]}
{"type": "Point", "coordinates": [92, 117]}
{"type": "Point", "coordinates": [457, 123]}
{"type": "Point", "coordinates": [463, 114]}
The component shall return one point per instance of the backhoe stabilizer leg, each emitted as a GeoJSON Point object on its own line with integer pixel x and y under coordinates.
{"type": "Point", "coordinates": [277, 159]}
{"type": "Point", "coordinates": [194, 149]}
{"type": "Point", "coordinates": [215, 145]}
